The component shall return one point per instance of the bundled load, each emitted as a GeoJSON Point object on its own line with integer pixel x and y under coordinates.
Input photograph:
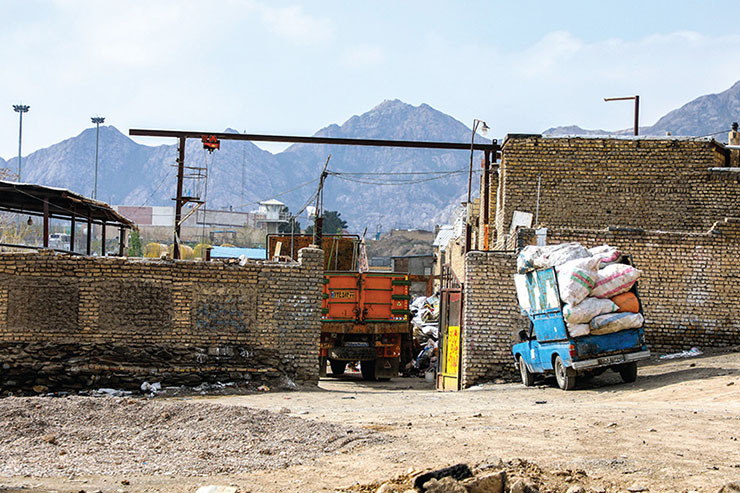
{"type": "Point", "coordinates": [593, 285]}
{"type": "Point", "coordinates": [536, 257]}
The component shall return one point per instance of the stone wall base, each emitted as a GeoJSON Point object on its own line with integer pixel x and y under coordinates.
{"type": "Point", "coordinates": [75, 366]}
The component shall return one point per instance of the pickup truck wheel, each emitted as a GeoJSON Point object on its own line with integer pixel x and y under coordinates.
{"type": "Point", "coordinates": [628, 372]}
{"type": "Point", "coordinates": [527, 376]}
{"type": "Point", "coordinates": [337, 367]}
{"type": "Point", "coordinates": [566, 377]}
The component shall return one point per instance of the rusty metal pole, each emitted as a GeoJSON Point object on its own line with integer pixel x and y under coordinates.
{"type": "Point", "coordinates": [178, 198]}
{"type": "Point", "coordinates": [102, 247]}
{"type": "Point", "coordinates": [637, 109]}
{"type": "Point", "coordinates": [637, 115]}
{"type": "Point", "coordinates": [486, 196]}
{"type": "Point", "coordinates": [46, 223]}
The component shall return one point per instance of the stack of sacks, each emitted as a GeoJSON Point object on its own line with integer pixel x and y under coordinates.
{"type": "Point", "coordinates": [593, 287]}
{"type": "Point", "coordinates": [618, 308]}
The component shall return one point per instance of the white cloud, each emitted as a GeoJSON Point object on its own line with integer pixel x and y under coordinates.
{"type": "Point", "coordinates": [294, 24]}
{"type": "Point", "coordinates": [363, 56]}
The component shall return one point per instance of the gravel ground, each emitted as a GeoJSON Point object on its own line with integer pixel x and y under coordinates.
{"type": "Point", "coordinates": [118, 436]}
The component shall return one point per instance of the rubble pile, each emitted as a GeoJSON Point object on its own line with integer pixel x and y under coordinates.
{"type": "Point", "coordinates": [110, 436]}
{"type": "Point", "coordinates": [425, 324]}
{"type": "Point", "coordinates": [593, 285]}
{"type": "Point", "coordinates": [516, 476]}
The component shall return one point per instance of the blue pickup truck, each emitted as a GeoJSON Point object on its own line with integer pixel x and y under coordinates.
{"type": "Point", "coordinates": [547, 348]}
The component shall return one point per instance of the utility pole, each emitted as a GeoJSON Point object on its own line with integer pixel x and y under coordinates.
{"type": "Point", "coordinates": [20, 109]}
{"type": "Point", "coordinates": [637, 109]}
{"type": "Point", "coordinates": [97, 120]}
{"type": "Point", "coordinates": [318, 229]}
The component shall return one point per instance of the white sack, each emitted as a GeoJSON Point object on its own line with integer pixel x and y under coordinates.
{"type": "Point", "coordinates": [614, 322]}
{"type": "Point", "coordinates": [578, 330]}
{"type": "Point", "coordinates": [576, 279]}
{"type": "Point", "coordinates": [615, 279]}
{"type": "Point", "coordinates": [583, 312]}
{"type": "Point", "coordinates": [534, 257]}
{"type": "Point", "coordinates": [606, 254]}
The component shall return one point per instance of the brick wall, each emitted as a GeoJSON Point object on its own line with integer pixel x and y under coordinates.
{"type": "Point", "coordinates": [115, 321]}
{"type": "Point", "coordinates": [690, 287]}
{"type": "Point", "coordinates": [658, 184]}
{"type": "Point", "coordinates": [690, 290]}
{"type": "Point", "coordinates": [491, 317]}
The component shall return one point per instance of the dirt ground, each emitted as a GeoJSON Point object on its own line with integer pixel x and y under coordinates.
{"type": "Point", "coordinates": [676, 429]}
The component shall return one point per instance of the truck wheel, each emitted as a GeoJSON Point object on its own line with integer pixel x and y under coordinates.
{"type": "Point", "coordinates": [368, 370]}
{"type": "Point", "coordinates": [565, 376]}
{"type": "Point", "coordinates": [527, 376]}
{"type": "Point", "coordinates": [337, 367]}
{"type": "Point", "coordinates": [628, 372]}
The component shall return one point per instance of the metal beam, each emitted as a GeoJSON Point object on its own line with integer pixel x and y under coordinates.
{"type": "Point", "coordinates": [191, 134]}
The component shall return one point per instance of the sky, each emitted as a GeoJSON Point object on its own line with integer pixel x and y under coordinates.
{"type": "Point", "coordinates": [293, 67]}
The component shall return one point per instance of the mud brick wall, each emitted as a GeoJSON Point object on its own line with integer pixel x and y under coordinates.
{"type": "Point", "coordinates": [491, 316]}
{"type": "Point", "coordinates": [73, 322]}
{"type": "Point", "coordinates": [656, 184]}
{"type": "Point", "coordinates": [690, 287]}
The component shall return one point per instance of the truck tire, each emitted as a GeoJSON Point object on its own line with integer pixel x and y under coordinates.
{"type": "Point", "coordinates": [628, 372]}
{"type": "Point", "coordinates": [527, 376]}
{"type": "Point", "coordinates": [337, 367]}
{"type": "Point", "coordinates": [565, 376]}
{"type": "Point", "coordinates": [368, 370]}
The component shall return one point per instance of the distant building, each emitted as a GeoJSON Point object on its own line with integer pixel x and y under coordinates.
{"type": "Point", "coordinates": [271, 214]}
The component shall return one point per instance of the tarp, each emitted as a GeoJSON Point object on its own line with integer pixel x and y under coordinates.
{"type": "Point", "coordinates": [235, 252]}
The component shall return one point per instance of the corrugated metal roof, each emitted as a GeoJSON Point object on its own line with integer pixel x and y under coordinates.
{"type": "Point", "coordinates": [444, 235]}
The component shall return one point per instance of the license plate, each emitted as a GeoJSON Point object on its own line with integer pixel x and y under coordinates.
{"type": "Point", "coordinates": [610, 360]}
{"type": "Point", "coordinates": [343, 294]}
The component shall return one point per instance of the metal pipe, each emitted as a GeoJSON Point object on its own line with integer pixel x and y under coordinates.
{"type": "Point", "coordinates": [637, 109]}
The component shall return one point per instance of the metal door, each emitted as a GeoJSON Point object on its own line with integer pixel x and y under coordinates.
{"type": "Point", "coordinates": [450, 340]}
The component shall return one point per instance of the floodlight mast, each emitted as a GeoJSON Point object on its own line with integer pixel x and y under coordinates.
{"type": "Point", "coordinates": [20, 109]}
{"type": "Point", "coordinates": [97, 120]}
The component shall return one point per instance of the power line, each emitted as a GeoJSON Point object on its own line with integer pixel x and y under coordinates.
{"type": "Point", "coordinates": [396, 183]}
{"type": "Point", "coordinates": [389, 173]}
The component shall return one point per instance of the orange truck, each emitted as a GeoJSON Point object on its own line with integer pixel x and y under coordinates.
{"type": "Point", "coordinates": [365, 316]}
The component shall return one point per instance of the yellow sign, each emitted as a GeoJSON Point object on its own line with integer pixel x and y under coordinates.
{"type": "Point", "coordinates": [452, 349]}
{"type": "Point", "coordinates": [343, 294]}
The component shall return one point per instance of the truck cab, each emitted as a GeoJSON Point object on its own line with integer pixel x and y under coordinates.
{"type": "Point", "coordinates": [546, 348]}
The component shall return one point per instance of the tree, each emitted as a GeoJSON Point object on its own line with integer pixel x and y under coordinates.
{"type": "Point", "coordinates": [292, 226]}
{"type": "Point", "coordinates": [333, 223]}
{"type": "Point", "coordinates": [134, 249]}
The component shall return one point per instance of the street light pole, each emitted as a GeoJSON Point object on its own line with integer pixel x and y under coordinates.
{"type": "Point", "coordinates": [20, 109]}
{"type": "Point", "coordinates": [468, 226]}
{"type": "Point", "coordinates": [637, 109]}
{"type": "Point", "coordinates": [97, 120]}
{"type": "Point", "coordinates": [483, 130]}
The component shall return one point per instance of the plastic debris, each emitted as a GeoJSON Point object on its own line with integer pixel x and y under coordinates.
{"type": "Point", "coordinates": [683, 354]}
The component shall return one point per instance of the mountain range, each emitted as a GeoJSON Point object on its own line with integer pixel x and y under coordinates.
{"type": "Point", "coordinates": [135, 174]}
{"type": "Point", "coordinates": [710, 115]}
